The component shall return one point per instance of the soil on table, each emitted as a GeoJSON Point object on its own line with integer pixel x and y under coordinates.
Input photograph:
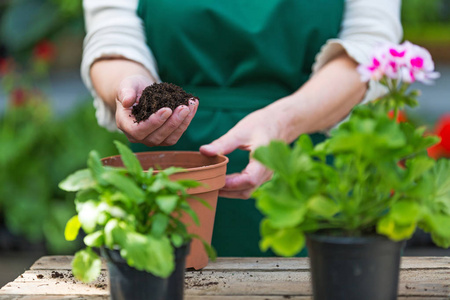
{"type": "Point", "coordinates": [159, 95]}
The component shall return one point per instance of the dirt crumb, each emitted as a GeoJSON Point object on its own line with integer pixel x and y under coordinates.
{"type": "Point", "coordinates": [56, 274]}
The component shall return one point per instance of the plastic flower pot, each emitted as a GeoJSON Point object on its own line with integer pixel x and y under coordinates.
{"type": "Point", "coordinates": [128, 283]}
{"type": "Point", "coordinates": [353, 268]}
{"type": "Point", "coordinates": [209, 170]}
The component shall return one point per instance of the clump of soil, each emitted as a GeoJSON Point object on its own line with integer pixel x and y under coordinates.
{"type": "Point", "coordinates": [56, 274]}
{"type": "Point", "coordinates": [159, 95]}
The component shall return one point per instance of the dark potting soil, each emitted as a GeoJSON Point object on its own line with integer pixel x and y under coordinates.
{"type": "Point", "coordinates": [159, 95]}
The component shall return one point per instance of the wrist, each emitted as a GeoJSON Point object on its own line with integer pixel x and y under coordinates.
{"type": "Point", "coordinates": [108, 72]}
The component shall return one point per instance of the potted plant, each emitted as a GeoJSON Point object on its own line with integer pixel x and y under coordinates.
{"type": "Point", "coordinates": [135, 218]}
{"type": "Point", "coordinates": [353, 199]}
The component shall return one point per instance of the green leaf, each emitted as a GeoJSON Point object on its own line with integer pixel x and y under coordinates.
{"type": "Point", "coordinates": [275, 156]}
{"type": "Point", "coordinates": [203, 202]}
{"type": "Point", "coordinates": [212, 254]}
{"type": "Point", "coordinates": [114, 234]}
{"type": "Point", "coordinates": [96, 167]}
{"type": "Point", "coordinates": [441, 183]}
{"type": "Point", "coordinates": [417, 166]}
{"type": "Point", "coordinates": [171, 170]}
{"type": "Point", "coordinates": [305, 143]}
{"type": "Point", "coordinates": [125, 185]}
{"type": "Point", "coordinates": [275, 200]}
{"type": "Point", "coordinates": [187, 209]}
{"type": "Point", "coordinates": [80, 180]}
{"type": "Point", "coordinates": [154, 255]}
{"type": "Point", "coordinates": [95, 239]}
{"type": "Point", "coordinates": [189, 183]}
{"type": "Point", "coordinates": [405, 213]}
{"type": "Point", "coordinates": [167, 203]}
{"type": "Point", "coordinates": [129, 159]}
{"type": "Point", "coordinates": [387, 226]}
{"type": "Point", "coordinates": [323, 206]}
{"type": "Point", "coordinates": [72, 229]}
{"type": "Point", "coordinates": [86, 265]}
{"type": "Point", "coordinates": [159, 224]}
{"type": "Point", "coordinates": [176, 239]}
{"type": "Point", "coordinates": [284, 242]}
{"type": "Point", "coordinates": [87, 215]}
{"type": "Point", "coordinates": [86, 195]}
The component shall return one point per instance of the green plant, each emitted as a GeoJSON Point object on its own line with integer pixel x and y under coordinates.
{"type": "Point", "coordinates": [38, 150]}
{"type": "Point", "coordinates": [380, 179]}
{"type": "Point", "coordinates": [132, 210]}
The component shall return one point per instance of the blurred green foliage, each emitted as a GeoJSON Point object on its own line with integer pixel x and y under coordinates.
{"type": "Point", "coordinates": [426, 21]}
{"type": "Point", "coordinates": [26, 22]}
{"type": "Point", "coordinates": [39, 149]}
{"type": "Point", "coordinates": [415, 12]}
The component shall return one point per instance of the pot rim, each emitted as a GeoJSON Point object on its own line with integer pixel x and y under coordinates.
{"type": "Point", "coordinates": [345, 240]}
{"type": "Point", "coordinates": [196, 153]}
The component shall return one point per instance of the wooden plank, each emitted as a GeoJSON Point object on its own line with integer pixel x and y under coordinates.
{"type": "Point", "coordinates": [424, 262]}
{"type": "Point", "coordinates": [425, 283]}
{"type": "Point", "coordinates": [255, 263]}
{"type": "Point", "coordinates": [57, 297]}
{"type": "Point", "coordinates": [57, 262]}
{"type": "Point", "coordinates": [187, 297]}
{"type": "Point", "coordinates": [421, 277]}
{"type": "Point", "coordinates": [45, 282]}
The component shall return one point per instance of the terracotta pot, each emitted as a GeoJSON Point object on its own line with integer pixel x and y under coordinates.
{"type": "Point", "coordinates": [208, 170]}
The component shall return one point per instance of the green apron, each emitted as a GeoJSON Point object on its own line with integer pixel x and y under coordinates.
{"type": "Point", "coordinates": [237, 56]}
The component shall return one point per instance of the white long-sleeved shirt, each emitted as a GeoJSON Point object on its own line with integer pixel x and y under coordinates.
{"type": "Point", "coordinates": [115, 30]}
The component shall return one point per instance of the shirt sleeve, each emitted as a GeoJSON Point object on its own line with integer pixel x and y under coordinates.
{"type": "Point", "coordinates": [366, 24]}
{"type": "Point", "coordinates": [113, 29]}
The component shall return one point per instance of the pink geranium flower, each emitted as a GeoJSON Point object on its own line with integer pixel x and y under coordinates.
{"type": "Point", "coordinates": [406, 62]}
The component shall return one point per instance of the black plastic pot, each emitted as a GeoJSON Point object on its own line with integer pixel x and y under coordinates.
{"type": "Point", "coordinates": [353, 268]}
{"type": "Point", "coordinates": [126, 282]}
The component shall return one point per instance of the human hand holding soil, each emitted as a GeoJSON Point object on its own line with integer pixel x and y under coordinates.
{"type": "Point", "coordinates": [161, 126]}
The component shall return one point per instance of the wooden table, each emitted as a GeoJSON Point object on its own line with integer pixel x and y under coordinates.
{"type": "Point", "coordinates": [227, 278]}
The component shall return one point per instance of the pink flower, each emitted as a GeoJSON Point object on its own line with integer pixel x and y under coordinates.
{"type": "Point", "coordinates": [407, 62]}
{"type": "Point", "coordinates": [419, 65]}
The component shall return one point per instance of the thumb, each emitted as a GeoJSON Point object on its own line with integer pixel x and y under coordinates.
{"type": "Point", "coordinates": [223, 145]}
{"type": "Point", "coordinates": [127, 96]}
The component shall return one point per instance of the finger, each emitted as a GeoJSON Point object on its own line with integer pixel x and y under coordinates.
{"type": "Point", "coordinates": [175, 120]}
{"type": "Point", "coordinates": [244, 194]}
{"type": "Point", "coordinates": [141, 130]}
{"type": "Point", "coordinates": [130, 138]}
{"type": "Point", "coordinates": [250, 178]}
{"type": "Point", "coordinates": [223, 145]}
{"type": "Point", "coordinates": [173, 138]}
{"type": "Point", "coordinates": [127, 96]}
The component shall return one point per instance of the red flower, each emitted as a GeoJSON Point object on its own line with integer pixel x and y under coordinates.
{"type": "Point", "coordinates": [442, 130]}
{"type": "Point", "coordinates": [401, 116]}
{"type": "Point", "coordinates": [6, 65]}
{"type": "Point", "coordinates": [18, 97]}
{"type": "Point", "coordinates": [44, 50]}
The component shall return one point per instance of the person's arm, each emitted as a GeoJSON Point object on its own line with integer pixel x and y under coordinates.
{"type": "Point", "coordinates": [324, 100]}
{"type": "Point", "coordinates": [117, 65]}
{"type": "Point", "coordinates": [119, 83]}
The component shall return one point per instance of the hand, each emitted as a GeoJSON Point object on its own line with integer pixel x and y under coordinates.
{"type": "Point", "coordinates": [163, 128]}
{"type": "Point", "coordinates": [255, 130]}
